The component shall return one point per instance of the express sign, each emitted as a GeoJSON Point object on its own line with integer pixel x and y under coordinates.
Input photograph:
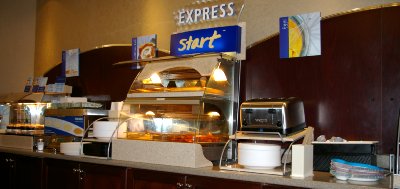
{"type": "Point", "coordinates": [206, 13]}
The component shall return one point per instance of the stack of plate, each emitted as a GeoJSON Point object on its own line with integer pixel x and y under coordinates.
{"type": "Point", "coordinates": [104, 129]}
{"type": "Point", "coordinates": [259, 155]}
{"type": "Point", "coordinates": [71, 148]}
{"type": "Point", "coordinates": [344, 170]}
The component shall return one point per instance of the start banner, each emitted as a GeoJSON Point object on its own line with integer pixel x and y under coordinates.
{"type": "Point", "coordinates": [210, 40]}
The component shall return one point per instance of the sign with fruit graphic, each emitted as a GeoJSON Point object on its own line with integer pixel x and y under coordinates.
{"type": "Point", "coordinates": [300, 35]}
{"type": "Point", "coordinates": [143, 47]}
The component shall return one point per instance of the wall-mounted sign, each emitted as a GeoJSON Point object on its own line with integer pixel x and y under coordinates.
{"type": "Point", "coordinates": [206, 13]}
{"type": "Point", "coordinates": [199, 14]}
{"type": "Point", "coordinates": [300, 35]}
{"type": "Point", "coordinates": [70, 61]}
{"type": "Point", "coordinates": [221, 39]}
{"type": "Point", "coordinates": [143, 47]}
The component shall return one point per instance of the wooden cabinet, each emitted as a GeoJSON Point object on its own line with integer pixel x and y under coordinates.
{"type": "Point", "coordinates": [7, 171]}
{"type": "Point", "coordinates": [145, 179]}
{"type": "Point", "coordinates": [35, 173]}
{"type": "Point", "coordinates": [94, 176]}
{"type": "Point", "coordinates": [198, 182]}
{"type": "Point", "coordinates": [20, 171]}
{"type": "Point", "coordinates": [62, 174]}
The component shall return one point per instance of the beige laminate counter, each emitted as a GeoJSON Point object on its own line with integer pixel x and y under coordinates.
{"type": "Point", "coordinates": [319, 180]}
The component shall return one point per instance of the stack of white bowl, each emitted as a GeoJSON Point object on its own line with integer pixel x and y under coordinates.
{"type": "Point", "coordinates": [104, 129]}
{"type": "Point", "coordinates": [71, 148]}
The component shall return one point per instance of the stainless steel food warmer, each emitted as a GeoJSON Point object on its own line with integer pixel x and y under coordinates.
{"type": "Point", "coordinates": [189, 100]}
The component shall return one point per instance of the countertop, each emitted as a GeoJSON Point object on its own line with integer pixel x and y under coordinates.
{"type": "Point", "coordinates": [319, 180]}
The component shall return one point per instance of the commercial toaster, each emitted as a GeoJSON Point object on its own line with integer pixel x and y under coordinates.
{"type": "Point", "coordinates": [283, 115]}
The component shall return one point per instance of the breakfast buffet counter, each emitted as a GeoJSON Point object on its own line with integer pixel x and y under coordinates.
{"type": "Point", "coordinates": [319, 180]}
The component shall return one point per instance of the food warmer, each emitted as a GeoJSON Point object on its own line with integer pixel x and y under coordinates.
{"type": "Point", "coordinates": [22, 113]}
{"type": "Point", "coordinates": [26, 118]}
{"type": "Point", "coordinates": [185, 100]}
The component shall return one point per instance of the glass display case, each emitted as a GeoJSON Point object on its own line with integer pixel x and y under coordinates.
{"type": "Point", "coordinates": [26, 118]}
{"type": "Point", "coordinates": [4, 115]}
{"type": "Point", "coordinates": [188, 100]}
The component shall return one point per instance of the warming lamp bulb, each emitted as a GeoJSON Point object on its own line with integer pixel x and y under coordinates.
{"type": "Point", "coordinates": [219, 75]}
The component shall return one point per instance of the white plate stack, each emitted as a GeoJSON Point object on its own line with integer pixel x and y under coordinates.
{"type": "Point", "coordinates": [259, 155]}
{"type": "Point", "coordinates": [71, 148]}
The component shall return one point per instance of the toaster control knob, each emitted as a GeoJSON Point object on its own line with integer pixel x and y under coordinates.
{"type": "Point", "coordinates": [279, 124]}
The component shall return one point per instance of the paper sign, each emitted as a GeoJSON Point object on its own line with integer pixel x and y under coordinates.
{"type": "Point", "coordinates": [300, 35]}
{"type": "Point", "coordinates": [28, 85]}
{"type": "Point", "coordinates": [144, 47]}
{"type": "Point", "coordinates": [71, 63]}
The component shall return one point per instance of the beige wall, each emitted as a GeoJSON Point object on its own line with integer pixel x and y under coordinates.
{"type": "Point", "coordinates": [17, 43]}
{"type": "Point", "coordinates": [67, 24]}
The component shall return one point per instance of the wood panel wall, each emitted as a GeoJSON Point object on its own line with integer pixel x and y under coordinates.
{"type": "Point", "coordinates": [352, 90]}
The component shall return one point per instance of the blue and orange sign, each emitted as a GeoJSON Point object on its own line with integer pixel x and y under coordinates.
{"type": "Point", "coordinates": [221, 39]}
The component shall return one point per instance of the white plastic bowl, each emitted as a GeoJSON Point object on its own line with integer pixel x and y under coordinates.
{"type": "Point", "coordinates": [104, 129]}
{"type": "Point", "coordinates": [259, 155]}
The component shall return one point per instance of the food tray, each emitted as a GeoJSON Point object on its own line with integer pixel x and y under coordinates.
{"type": "Point", "coordinates": [75, 105]}
{"type": "Point", "coordinates": [176, 137]}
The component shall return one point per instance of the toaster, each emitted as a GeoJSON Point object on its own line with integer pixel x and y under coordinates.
{"type": "Point", "coordinates": [283, 115]}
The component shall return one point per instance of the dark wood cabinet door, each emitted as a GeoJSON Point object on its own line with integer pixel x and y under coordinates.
{"type": "Point", "coordinates": [6, 171]}
{"type": "Point", "coordinates": [145, 179]}
{"type": "Point", "coordinates": [61, 174]}
{"type": "Point", "coordinates": [27, 172]}
{"type": "Point", "coordinates": [198, 182]}
{"type": "Point", "coordinates": [94, 176]}
{"type": "Point", "coordinates": [20, 171]}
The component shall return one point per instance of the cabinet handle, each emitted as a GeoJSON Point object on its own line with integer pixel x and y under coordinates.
{"type": "Point", "coordinates": [11, 161]}
{"type": "Point", "coordinates": [81, 174]}
{"type": "Point", "coordinates": [179, 185]}
{"type": "Point", "coordinates": [75, 170]}
{"type": "Point", "coordinates": [188, 186]}
{"type": "Point", "coordinates": [7, 160]}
